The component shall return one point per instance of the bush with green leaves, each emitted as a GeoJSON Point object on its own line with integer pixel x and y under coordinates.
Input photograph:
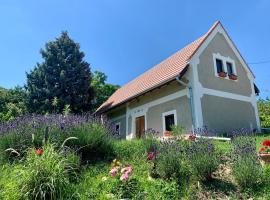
{"type": "Point", "coordinates": [94, 138]}
{"type": "Point", "coordinates": [94, 142]}
{"type": "Point", "coordinates": [130, 189]}
{"type": "Point", "coordinates": [203, 158]}
{"type": "Point", "coordinates": [247, 170]}
{"type": "Point", "coordinates": [46, 173]}
{"type": "Point", "coordinates": [170, 162]}
{"type": "Point", "coordinates": [266, 174]}
{"type": "Point", "coordinates": [129, 149]}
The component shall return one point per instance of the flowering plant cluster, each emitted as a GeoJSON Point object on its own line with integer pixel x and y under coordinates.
{"type": "Point", "coordinates": [192, 137]}
{"type": "Point", "coordinates": [125, 172]}
{"type": "Point", "coordinates": [266, 147]}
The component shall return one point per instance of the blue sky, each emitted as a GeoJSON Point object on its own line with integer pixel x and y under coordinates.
{"type": "Point", "coordinates": [124, 38]}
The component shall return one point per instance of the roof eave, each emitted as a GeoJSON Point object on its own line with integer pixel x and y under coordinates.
{"type": "Point", "coordinates": [144, 92]}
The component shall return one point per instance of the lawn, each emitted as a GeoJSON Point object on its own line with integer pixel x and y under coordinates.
{"type": "Point", "coordinates": [72, 158]}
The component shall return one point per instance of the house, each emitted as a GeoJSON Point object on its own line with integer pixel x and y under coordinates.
{"type": "Point", "coordinates": [207, 83]}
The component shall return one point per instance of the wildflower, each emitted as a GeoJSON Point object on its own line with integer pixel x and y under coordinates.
{"type": "Point", "coordinates": [39, 152]}
{"type": "Point", "coordinates": [104, 178]}
{"type": "Point", "coordinates": [262, 150]}
{"type": "Point", "coordinates": [126, 170]}
{"type": "Point", "coordinates": [116, 163]}
{"type": "Point", "coordinates": [150, 156]}
{"type": "Point", "coordinates": [113, 172]}
{"type": "Point", "coordinates": [266, 143]}
{"type": "Point", "coordinates": [124, 177]}
{"type": "Point", "coordinates": [192, 137]}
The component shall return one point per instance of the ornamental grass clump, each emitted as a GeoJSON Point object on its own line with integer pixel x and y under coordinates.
{"type": "Point", "coordinates": [247, 169]}
{"type": "Point", "coordinates": [203, 158]}
{"type": "Point", "coordinates": [46, 173]}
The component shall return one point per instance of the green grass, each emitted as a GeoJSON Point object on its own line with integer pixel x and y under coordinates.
{"type": "Point", "coordinates": [225, 146]}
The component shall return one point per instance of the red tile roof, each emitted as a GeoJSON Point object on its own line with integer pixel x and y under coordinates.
{"type": "Point", "coordinates": [160, 74]}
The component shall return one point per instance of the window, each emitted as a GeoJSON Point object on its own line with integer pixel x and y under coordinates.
{"type": "Point", "coordinates": [169, 122]}
{"type": "Point", "coordinates": [229, 68]}
{"type": "Point", "coordinates": [117, 128]}
{"type": "Point", "coordinates": [224, 67]}
{"type": "Point", "coordinates": [219, 65]}
{"type": "Point", "coordinates": [169, 119]}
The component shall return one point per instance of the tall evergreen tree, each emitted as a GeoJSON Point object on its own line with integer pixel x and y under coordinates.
{"type": "Point", "coordinates": [63, 76]}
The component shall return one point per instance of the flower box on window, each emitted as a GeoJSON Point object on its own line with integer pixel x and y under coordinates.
{"type": "Point", "coordinates": [222, 74]}
{"type": "Point", "coordinates": [167, 133]}
{"type": "Point", "coordinates": [264, 152]}
{"type": "Point", "coordinates": [232, 77]}
{"type": "Point", "coordinates": [265, 157]}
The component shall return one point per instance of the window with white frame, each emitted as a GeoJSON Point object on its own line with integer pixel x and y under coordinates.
{"type": "Point", "coordinates": [224, 66]}
{"type": "Point", "coordinates": [219, 65]}
{"type": "Point", "coordinates": [169, 119]}
{"type": "Point", "coordinates": [230, 68]}
{"type": "Point", "coordinates": [117, 128]}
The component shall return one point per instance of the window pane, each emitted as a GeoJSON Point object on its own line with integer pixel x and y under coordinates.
{"type": "Point", "coordinates": [229, 68]}
{"type": "Point", "coordinates": [219, 65]}
{"type": "Point", "coordinates": [117, 128]}
{"type": "Point", "coordinates": [169, 121]}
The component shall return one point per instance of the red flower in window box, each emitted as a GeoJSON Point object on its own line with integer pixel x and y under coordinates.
{"type": "Point", "coordinates": [167, 133]}
{"type": "Point", "coordinates": [232, 77]}
{"type": "Point", "coordinates": [264, 152]}
{"type": "Point", "coordinates": [266, 143]}
{"type": "Point", "coordinates": [222, 74]}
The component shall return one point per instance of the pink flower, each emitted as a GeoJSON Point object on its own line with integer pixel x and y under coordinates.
{"type": "Point", "coordinates": [127, 170]}
{"type": "Point", "coordinates": [124, 177]}
{"type": "Point", "coordinates": [113, 172]}
{"type": "Point", "coordinates": [150, 156]}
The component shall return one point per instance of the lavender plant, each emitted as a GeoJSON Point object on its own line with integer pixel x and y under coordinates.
{"type": "Point", "coordinates": [246, 167]}
{"type": "Point", "coordinates": [242, 132]}
{"type": "Point", "coordinates": [170, 162]}
{"type": "Point", "coordinates": [203, 158]}
{"type": "Point", "coordinates": [31, 130]}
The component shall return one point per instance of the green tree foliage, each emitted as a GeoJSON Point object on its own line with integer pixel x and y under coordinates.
{"type": "Point", "coordinates": [264, 110]}
{"type": "Point", "coordinates": [102, 89]}
{"type": "Point", "coordinates": [63, 78]}
{"type": "Point", "coordinates": [12, 103]}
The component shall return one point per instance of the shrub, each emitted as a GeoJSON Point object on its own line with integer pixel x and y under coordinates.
{"type": "Point", "coordinates": [129, 149]}
{"type": "Point", "coordinates": [43, 175]}
{"type": "Point", "coordinates": [94, 142]}
{"type": "Point", "coordinates": [246, 167]}
{"type": "Point", "coordinates": [163, 190]}
{"type": "Point", "coordinates": [170, 162]}
{"type": "Point", "coordinates": [31, 131]}
{"type": "Point", "coordinates": [130, 189]}
{"type": "Point", "coordinates": [203, 158]}
{"type": "Point", "coordinates": [177, 130]}
{"type": "Point", "coordinates": [266, 174]}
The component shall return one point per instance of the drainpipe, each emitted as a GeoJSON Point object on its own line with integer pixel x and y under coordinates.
{"type": "Point", "coordinates": [190, 101]}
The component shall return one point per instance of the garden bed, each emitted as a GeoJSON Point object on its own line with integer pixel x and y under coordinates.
{"type": "Point", "coordinates": [74, 156]}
